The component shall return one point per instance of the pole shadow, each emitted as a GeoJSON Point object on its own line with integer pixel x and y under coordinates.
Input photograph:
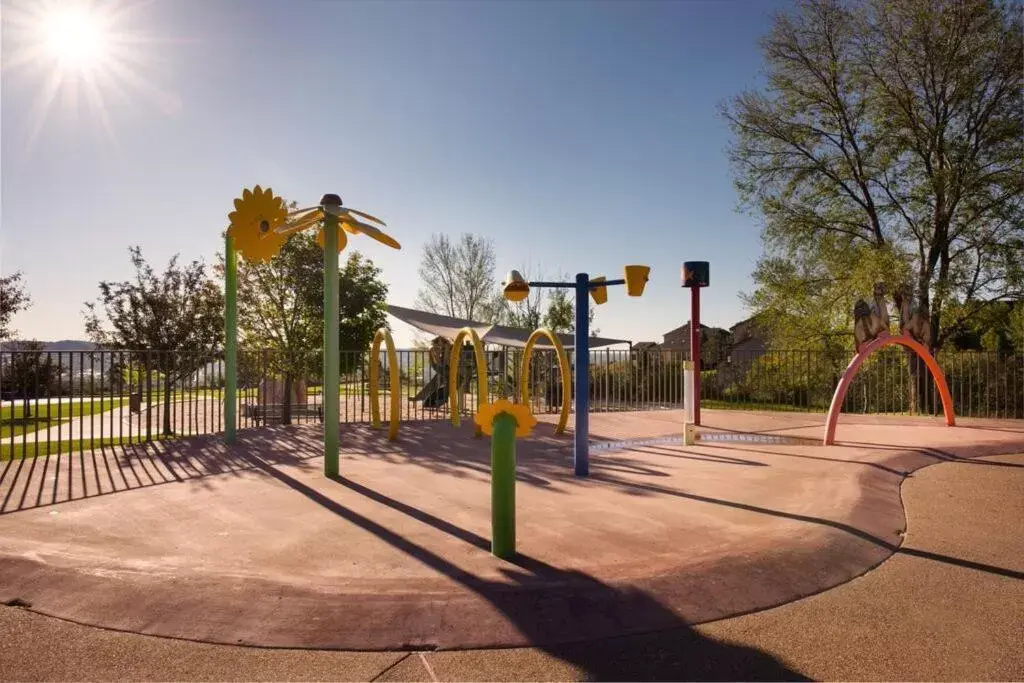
{"type": "Point", "coordinates": [662, 645]}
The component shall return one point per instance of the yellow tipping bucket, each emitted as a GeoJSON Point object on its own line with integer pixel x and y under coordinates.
{"type": "Point", "coordinates": [636, 279]}
{"type": "Point", "coordinates": [599, 294]}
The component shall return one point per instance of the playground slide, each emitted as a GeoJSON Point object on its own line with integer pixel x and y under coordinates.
{"type": "Point", "coordinates": [434, 394]}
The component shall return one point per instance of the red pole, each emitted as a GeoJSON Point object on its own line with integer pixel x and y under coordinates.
{"type": "Point", "coordinates": [695, 350]}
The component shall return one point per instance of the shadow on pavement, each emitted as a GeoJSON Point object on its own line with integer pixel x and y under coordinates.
{"type": "Point", "coordinates": [582, 610]}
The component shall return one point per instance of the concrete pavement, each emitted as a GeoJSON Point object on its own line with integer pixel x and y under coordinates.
{"type": "Point", "coordinates": [947, 610]}
{"type": "Point", "coordinates": [213, 543]}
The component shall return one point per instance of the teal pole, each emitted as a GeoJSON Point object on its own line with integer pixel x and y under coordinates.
{"type": "Point", "coordinates": [503, 486]}
{"type": "Point", "coordinates": [230, 339]}
{"type": "Point", "coordinates": [332, 374]}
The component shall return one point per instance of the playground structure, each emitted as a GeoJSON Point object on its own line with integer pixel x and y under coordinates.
{"type": "Point", "coordinates": [396, 586]}
{"type": "Point", "coordinates": [260, 225]}
{"type": "Point", "coordinates": [871, 333]}
{"type": "Point", "coordinates": [882, 340]}
{"type": "Point", "coordinates": [563, 370]}
{"type": "Point", "coordinates": [516, 288]}
{"type": "Point", "coordinates": [504, 421]}
{"type": "Point", "coordinates": [258, 228]}
{"type": "Point", "coordinates": [696, 275]}
{"type": "Point", "coordinates": [454, 398]}
{"type": "Point", "coordinates": [501, 369]}
{"type": "Point", "coordinates": [394, 386]}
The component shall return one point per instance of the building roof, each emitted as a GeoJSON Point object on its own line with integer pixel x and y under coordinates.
{"type": "Point", "coordinates": [501, 335]}
{"type": "Point", "coordinates": [745, 321]}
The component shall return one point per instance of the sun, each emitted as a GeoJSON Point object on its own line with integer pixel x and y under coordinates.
{"type": "Point", "coordinates": [76, 36]}
{"type": "Point", "coordinates": [85, 51]}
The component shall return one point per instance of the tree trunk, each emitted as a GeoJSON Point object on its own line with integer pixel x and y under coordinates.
{"type": "Point", "coordinates": [286, 408]}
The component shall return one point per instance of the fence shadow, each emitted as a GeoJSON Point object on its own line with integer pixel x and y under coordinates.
{"type": "Point", "coordinates": [46, 480]}
{"type": "Point", "coordinates": [26, 483]}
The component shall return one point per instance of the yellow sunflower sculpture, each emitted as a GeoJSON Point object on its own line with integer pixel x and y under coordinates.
{"type": "Point", "coordinates": [525, 421]}
{"type": "Point", "coordinates": [349, 220]}
{"type": "Point", "coordinates": [254, 222]}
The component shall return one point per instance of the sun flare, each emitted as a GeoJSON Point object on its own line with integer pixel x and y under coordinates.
{"type": "Point", "coordinates": [76, 36]}
{"type": "Point", "coordinates": [75, 52]}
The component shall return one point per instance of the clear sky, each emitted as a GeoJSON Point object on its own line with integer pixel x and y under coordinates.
{"type": "Point", "coordinates": [579, 136]}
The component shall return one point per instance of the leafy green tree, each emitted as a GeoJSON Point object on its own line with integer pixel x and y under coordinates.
{"type": "Point", "coordinates": [561, 313]}
{"type": "Point", "coordinates": [886, 145]}
{"type": "Point", "coordinates": [13, 298]}
{"type": "Point", "coordinates": [997, 327]}
{"type": "Point", "coordinates": [363, 298]}
{"type": "Point", "coordinates": [276, 320]}
{"type": "Point", "coordinates": [29, 372]}
{"type": "Point", "coordinates": [177, 314]}
{"type": "Point", "coordinates": [281, 312]}
{"type": "Point", "coordinates": [362, 303]}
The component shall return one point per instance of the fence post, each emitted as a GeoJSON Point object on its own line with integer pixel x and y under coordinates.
{"type": "Point", "coordinates": [149, 394]}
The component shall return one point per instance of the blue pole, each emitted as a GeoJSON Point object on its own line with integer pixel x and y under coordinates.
{"type": "Point", "coordinates": [581, 451]}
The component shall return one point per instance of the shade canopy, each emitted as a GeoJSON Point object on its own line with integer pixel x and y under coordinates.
{"type": "Point", "coordinates": [501, 335]}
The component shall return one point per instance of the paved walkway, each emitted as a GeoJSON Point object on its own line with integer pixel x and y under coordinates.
{"type": "Point", "coordinates": [946, 607]}
{"type": "Point", "coordinates": [190, 416]}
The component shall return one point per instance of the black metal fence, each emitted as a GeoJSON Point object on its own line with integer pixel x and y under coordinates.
{"type": "Point", "coordinates": [56, 402]}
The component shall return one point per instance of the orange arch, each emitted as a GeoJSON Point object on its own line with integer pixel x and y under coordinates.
{"type": "Point", "coordinates": [882, 341]}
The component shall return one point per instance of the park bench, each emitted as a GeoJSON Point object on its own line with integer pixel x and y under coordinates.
{"type": "Point", "coordinates": [271, 413]}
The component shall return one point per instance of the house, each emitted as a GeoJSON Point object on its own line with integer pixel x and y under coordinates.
{"type": "Point", "coordinates": [747, 341]}
{"type": "Point", "coordinates": [714, 342]}
{"type": "Point", "coordinates": [640, 348]}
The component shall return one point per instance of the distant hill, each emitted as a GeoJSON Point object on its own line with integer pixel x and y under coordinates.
{"type": "Point", "coordinates": [65, 345]}
{"type": "Point", "coordinates": [69, 345]}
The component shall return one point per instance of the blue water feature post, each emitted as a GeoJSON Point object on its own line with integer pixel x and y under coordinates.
{"type": "Point", "coordinates": [581, 378]}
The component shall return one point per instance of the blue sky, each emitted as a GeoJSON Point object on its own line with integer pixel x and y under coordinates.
{"type": "Point", "coordinates": [579, 136]}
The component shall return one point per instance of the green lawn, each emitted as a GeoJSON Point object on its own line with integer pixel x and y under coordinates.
{"type": "Point", "coordinates": [350, 389]}
{"type": "Point", "coordinates": [751, 405]}
{"type": "Point", "coordinates": [45, 415]}
{"type": "Point", "coordinates": [30, 450]}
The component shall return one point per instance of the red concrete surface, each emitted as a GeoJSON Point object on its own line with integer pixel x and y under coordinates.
{"type": "Point", "coordinates": [251, 544]}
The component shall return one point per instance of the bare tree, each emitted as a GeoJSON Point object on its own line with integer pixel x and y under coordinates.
{"type": "Point", "coordinates": [528, 313]}
{"type": "Point", "coordinates": [459, 277]}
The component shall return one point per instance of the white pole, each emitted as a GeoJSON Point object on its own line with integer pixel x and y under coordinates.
{"type": "Point", "coordinates": [689, 428]}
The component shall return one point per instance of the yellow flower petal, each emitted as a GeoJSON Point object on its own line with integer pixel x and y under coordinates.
{"type": "Point", "coordinates": [301, 223]}
{"type": "Point", "coordinates": [355, 226]}
{"type": "Point", "coordinates": [368, 216]}
{"type": "Point", "coordinates": [525, 421]}
{"type": "Point", "coordinates": [257, 214]}
{"type": "Point", "coordinates": [342, 239]}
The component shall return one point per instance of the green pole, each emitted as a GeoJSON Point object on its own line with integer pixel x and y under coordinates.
{"type": "Point", "coordinates": [332, 413]}
{"type": "Point", "coordinates": [503, 486]}
{"type": "Point", "coordinates": [230, 339]}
